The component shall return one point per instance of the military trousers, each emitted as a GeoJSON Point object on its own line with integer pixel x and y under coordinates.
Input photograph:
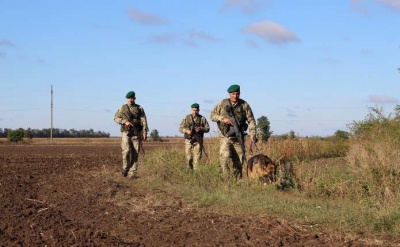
{"type": "Point", "coordinates": [231, 157]}
{"type": "Point", "coordinates": [130, 152]}
{"type": "Point", "coordinates": [193, 154]}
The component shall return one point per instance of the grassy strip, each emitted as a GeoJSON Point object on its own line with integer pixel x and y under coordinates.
{"type": "Point", "coordinates": [326, 196]}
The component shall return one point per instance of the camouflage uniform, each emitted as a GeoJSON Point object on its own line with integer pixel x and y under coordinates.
{"type": "Point", "coordinates": [131, 137]}
{"type": "Point", "coordinates": [230, 150]}
{"type": "Point", "coordinates": [193, 149]}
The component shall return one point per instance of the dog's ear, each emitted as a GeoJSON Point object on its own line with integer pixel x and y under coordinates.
{"type": "Point", "coordinates": [267, 159]}
{"type": "Point", "coordinates": [250, 161]}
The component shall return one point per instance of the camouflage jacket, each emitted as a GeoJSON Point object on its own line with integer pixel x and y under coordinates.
{"type": "Point", "coordinates": [243, 114]}
{"type": "Point", "coordinates": [188, 123]}
{"type": "Point", "coordinates": [134, 114]}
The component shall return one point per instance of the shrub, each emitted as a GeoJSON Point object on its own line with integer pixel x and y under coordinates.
{"type": "Point", "coordinates": [154, 135]}
{"type": "Point", "coordinates": [373, 153]}
{"type": "Point", "coordinates": [15, 135]}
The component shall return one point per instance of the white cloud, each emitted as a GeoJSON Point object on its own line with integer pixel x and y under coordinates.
{"type": "Point", "coordinates": [145, 18]}
{"type": "Point", "coordinates": [165, 38]}
{"type": "Point", "coordinates": [395, 4]}
{"type": "Point", "coordinates": [272, 32]}
{"type": "Point", "coordinates": [246, 6]}
{"type": "Point", "coordinates": [382, 99]}
{"type": "Point", "coordinates": [190, 38]}
{"type": "Point", "coordinates": [4, 42]}
{"type": "Point", "coordinates": [200, 35]}
{"type": "Point", "coordinates": [357, 6]}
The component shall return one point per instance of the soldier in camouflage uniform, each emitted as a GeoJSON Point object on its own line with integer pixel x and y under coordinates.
{"type": "Point", "coordinates": [134, 130]}
{"type": "Point", "coordinates": [193, 126]}
{"type": "Point", "coordinates": [231, 151]}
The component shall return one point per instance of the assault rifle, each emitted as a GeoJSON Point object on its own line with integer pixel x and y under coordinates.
{"type": "Point", "coordinates": [194, 136]}
{"type": "Point", "coordinates": [235, 129]}
{"type": "Point", "coordinates": [134, 129]}
{"type": "Point", "coordinates": [197, 137]}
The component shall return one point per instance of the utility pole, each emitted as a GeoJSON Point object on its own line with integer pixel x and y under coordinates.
{"type": "Point", "coordinates": [51, 128]}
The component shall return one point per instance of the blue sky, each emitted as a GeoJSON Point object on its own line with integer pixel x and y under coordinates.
{"type": "Point", "coordinates": [311, 66]}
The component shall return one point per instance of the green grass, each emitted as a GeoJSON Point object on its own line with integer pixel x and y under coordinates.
{"type": "Point", "coordinates": [327, 193]}
{"type": "Point", "coordinates": [350, 186]}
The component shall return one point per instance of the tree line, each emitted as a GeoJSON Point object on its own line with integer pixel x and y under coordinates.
{"type": "Point", "coordinates": [56, 133]}
{"type": "Point", "coordinates": [263, 130]}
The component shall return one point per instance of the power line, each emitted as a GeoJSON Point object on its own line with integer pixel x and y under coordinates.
{"type": "Point", "coordinates": [27, 109]}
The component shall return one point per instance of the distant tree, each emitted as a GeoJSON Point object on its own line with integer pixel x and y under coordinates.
{"type": "Point", "coordinates": [154, 135]}
{"type": "Point", "coordinates": [27, 133]}
{"type": "Point", "coordinates": [282, 136]}
{"type": "Point", "coordinates": [58, 133]}
{"type": "Point", "coordinates": [377, 125]}
{"type": "Point", "coordinates": [263, 128]}
{"type": "Point", "coordinates": [397, 112]}
{"type": "Point", "coordinates": [5, 132]}
{"type": "Point", "coordinates": [375, 118]}
{"type": "Point", "coordinates": [292, 135]}
{"type": "Point", "coordinates": [15, 135]}
{"type": "Point", "coordinates": [341, 134]}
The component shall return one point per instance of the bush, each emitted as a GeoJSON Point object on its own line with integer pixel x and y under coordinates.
{"type": "Point", "coordinates": [264, 128]}
{"type": "Point", "coordinates": [342, 135]}
{"type": "Point", "coordinates": [373, 153]}
{"type": "Point", "coordinates": [154, 135]}
{"type": "Point", "coordinates": [15, 135]}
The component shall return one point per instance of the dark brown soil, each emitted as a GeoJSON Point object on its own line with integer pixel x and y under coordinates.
{"type": "Point", "coordinates": [56, 195]}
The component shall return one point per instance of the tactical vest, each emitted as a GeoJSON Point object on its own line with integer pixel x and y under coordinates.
{"type": "Point", "coordinates": [239, 113]}
{"type": "Point", "coordinates": [132, 115]}
{"type": "Point", "coordinates": [193, 123]}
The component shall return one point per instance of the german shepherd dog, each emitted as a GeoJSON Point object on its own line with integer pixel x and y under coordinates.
{"type": "Point", "coordinates": [261, 167]}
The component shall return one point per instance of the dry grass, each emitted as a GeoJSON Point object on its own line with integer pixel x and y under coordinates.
{"type": "Point", "coordinates": [351, 186]}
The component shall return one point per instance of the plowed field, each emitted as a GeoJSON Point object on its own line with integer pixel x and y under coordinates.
{"type": "Point", "coordinates": [58, 195]}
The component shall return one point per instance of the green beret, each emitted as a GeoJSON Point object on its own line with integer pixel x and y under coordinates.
{"type": "Point", "coordinates": [234, 88]}
{"type": "Point", "coordinates": [130, 94]}
{"type": "Point", "coordinates": [195, 105]}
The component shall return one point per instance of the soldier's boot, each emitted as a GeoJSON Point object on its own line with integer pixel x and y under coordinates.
{"type": "Point", "coordinates": [134, 172]}
{"type": "Point", "coordinates": [124, 172]}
